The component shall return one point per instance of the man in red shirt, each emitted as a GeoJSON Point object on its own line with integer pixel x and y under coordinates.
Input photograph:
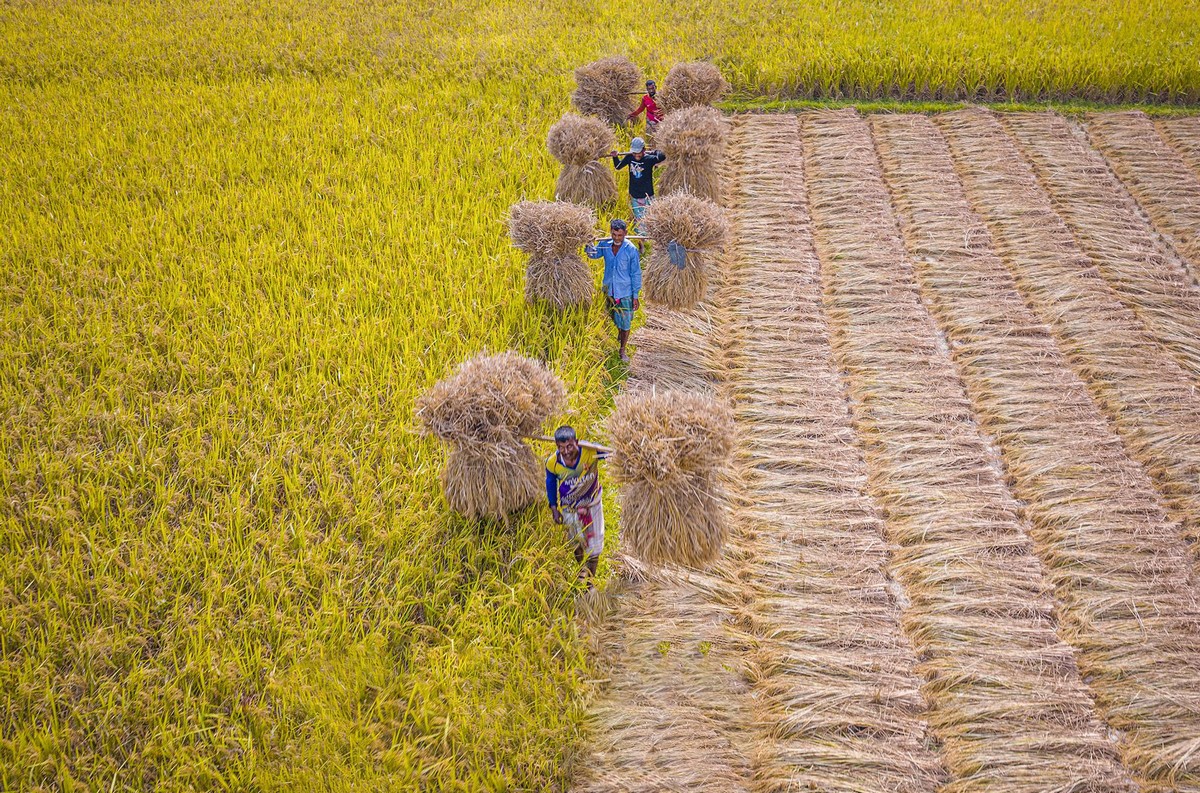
{"type": "Point", "coordinates": [653, 116]}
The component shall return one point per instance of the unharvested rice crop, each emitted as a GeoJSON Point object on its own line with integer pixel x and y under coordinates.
{"type": "Point", "coordinates": [576, 142]}
{"type": "Point", "coordinates": [699, 226]}
{"type": "Point", "coordinates": [670, 449]}
{"type": "Point", "coordinates": [607, 88]}
{"type": "Point", "coordinates": [691, 85]}
{"type": "Point", "coordinates": [552, 233]}
{"type": "Point", "coordinates": [694, 141]}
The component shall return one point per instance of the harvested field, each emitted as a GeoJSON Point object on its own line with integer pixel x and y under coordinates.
{"type": "Point", "coordinates": [1162, 183]}
{"type": "Point", "coordinates": [1145, 272]}
{"type": "Point", "coordinates": [959, 556]}
{"type": "Point", "coordinates": [1147, 396]}
{"type": "Point", "coordinates": [1005, 695]}
{"type": "Point", "coordinates": [1094, 516]}
{"type": "Point", "coordinates": [1184, 135]}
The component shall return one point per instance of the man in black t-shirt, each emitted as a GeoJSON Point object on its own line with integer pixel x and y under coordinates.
{"type": "Point", "coordinates": [641, 176]}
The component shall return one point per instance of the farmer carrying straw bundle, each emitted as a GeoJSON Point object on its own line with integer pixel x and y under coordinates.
{"type": "Point", "coordinates": [552, 233]}
{"type": "Point", "coordinates": [605, 89]}
{"type": "Point", "coordinates": [650, 106]}
{"type": "Point", "coordinates": [576, 142]}
{"type": "Point", "coordinates": [484, 411]}
{"type": "Point", "coordinates": [573, 490]}
{"type": "Point", "coordinates": [670, 447]}
{"type": "Point", "coordinates": [622, 279]}
{"type": "Point", "coordinates": [694, 139]}
{"type": "Point", "coordinates": [641, 176]}
{"type": "Point", "coordinates": [689, 233]}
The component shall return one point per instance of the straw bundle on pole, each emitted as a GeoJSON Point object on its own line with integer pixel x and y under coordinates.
{"type": "Point", "coordinates": [692, 84]}
{"type": "Point", "coordinates": [606, 88]}
{"type": "Point", "coordinates": [694, 141]}
{"type": "Point", "coordinates": [670, 447]}
{"type": "Point", "coordinates": [552, 232]}
{"type": "Point", "coordinates": [483, 411]}
{"type": "Point", "coordinates": [699, 226]}
{"type": "Point", "coordinates": [576, 141]}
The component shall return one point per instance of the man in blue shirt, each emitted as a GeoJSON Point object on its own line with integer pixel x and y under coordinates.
{"type": "Point", "coordinates": [622, 279]}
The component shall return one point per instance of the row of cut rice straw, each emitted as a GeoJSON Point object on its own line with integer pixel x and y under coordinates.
{"type": "Point", "coordinates": [1151, 401]}
{"type": "Point", "coordinates": [1120, 572]}
{"type": "Point", "coordinates": [1164, 185]}
{"type": "Point", "coordinates": [837, 696]}
{"type": "Point", "coordinates": [1183, 134]}
{"type": "Point", "coordinates": [1144, 271]}
{"type": "Point", "coordinates": [1006, 700]}
{"type": "Point", "coordinates": [671, 714]}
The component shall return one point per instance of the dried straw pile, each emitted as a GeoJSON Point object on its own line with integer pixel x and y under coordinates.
{"type": "Point", "coordinates": [695, 223]}
{"type": "Point", "coordinates": [552, 232]}
{"type": "Point", "coordinates": [691, 85]}
{"type": "Point", "coordinates": [483, 411]}
{"type": "Point", "coordinates": [671, 446]}
{"type": "Point", "coordinates": [576, 141]}
{"type": "Point", "coordinates": [694, 141]}
{"type": "Point", "coordinates": [606, 88]}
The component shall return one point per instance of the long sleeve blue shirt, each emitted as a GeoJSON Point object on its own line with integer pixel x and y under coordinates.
{"type": "Point", "coordinates": [622, 270]}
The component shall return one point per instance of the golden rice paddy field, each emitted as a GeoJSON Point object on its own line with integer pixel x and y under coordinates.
{"type": "Point", "coordinates": [239, 239]}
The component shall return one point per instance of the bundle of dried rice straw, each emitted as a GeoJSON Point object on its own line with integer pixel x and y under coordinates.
{"type": "Point", "coordinates": [670, 447]}
{"type": "Point", "coordinates": [576, 141]}
{"type": "Point", "coordinates": [552, 232]}
{"type": "Point", "coordinates": [606, 88]}
{"type": "Point", "coordinates": [692, 84]}
{"type": "Point", "coordinates": [483, 411]}
{"type": "Point", "coordinates": [694, 140]}
{"type": "Point", "coordinates": [699, 226]}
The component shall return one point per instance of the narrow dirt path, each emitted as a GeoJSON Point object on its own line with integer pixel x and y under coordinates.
{"type": "Point", "coordinates": [1157, 177]}
{"type": "Point", "coordinates": [1007, 700]}
{"type": "Point", "coordinates": [1119, 569]}
{"type": "Point", "coordinates": [672, 713]}
{"type": "Point", "coordinates": [1141, 267]}
{"type": "Point", "coordinates": [1142, 390]}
